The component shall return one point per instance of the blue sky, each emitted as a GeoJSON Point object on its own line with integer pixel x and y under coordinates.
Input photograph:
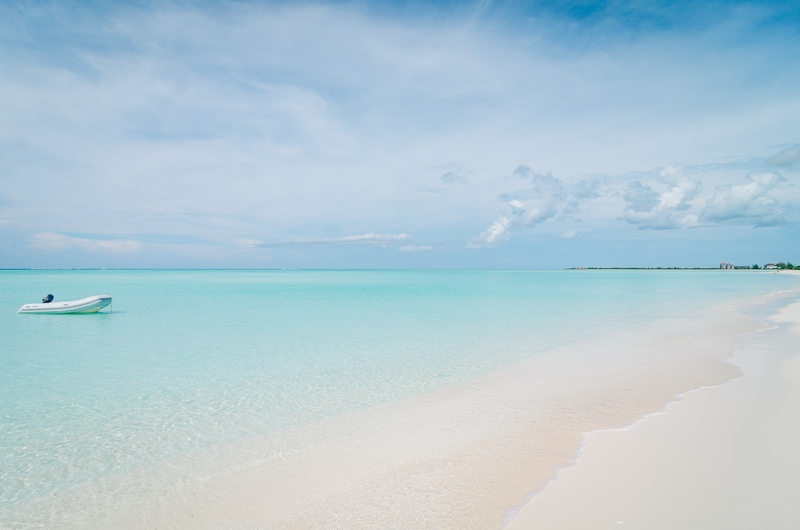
{"type": "Point", "coordinates": [459, 134]}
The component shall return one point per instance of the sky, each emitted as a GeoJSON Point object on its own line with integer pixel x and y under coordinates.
{"type": "Point", "coordinates": [503, 135]}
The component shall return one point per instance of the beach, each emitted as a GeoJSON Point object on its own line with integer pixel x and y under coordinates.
{"type": "Point", "coordinates": [484, 452]}
{"type": "Point", "coordinates": [720, 457]}
{"type": "Point", "coordinates": [392, 265]}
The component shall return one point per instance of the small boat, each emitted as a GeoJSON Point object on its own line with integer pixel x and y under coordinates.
{"type": "Point", "coordinates": [92, 304]}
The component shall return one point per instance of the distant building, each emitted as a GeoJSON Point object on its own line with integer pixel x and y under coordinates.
{"type": "Point", "coordinates": [770, 266]}
{"type": "Point", "coordinates": [724, 265]}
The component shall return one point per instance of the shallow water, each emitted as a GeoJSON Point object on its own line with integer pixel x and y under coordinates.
{"type": "Point", "coordinates": [194, 359]}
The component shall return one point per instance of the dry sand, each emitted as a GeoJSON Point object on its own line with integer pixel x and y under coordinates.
{"type": "Point", "coordinates": [722, 458]}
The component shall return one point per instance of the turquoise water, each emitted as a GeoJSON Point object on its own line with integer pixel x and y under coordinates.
{"type": "Point", "coordinates": [193, 359]}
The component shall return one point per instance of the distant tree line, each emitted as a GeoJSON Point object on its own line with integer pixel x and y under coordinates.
{"type": "Point", "coordinates": [779, 265]}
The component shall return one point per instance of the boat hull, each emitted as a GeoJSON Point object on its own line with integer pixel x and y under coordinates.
{"type": "Point", "coordinates": [92, 304]}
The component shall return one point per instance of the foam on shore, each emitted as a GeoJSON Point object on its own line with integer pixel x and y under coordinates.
{"type": "Point", "coordinates": [457, 457]}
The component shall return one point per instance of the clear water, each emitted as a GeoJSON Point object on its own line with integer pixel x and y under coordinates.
{"type": "Point", "coordinates": [193, 359]}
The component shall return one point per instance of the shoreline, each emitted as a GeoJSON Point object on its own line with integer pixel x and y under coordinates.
{"type": "Point", "coordinates": [701, 444]}
{"type": "Point", "coordinates": [455, 457]}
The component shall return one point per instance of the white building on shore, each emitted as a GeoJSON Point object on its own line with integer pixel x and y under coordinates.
{"type": "Point", "coordinates": [724, 265]}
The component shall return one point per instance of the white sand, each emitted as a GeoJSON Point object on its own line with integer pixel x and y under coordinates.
{"type": "Point", "coordinates": [723, 458]}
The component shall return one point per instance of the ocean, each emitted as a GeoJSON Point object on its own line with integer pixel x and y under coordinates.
{"type": "Point", "coordinates": [193, 359]}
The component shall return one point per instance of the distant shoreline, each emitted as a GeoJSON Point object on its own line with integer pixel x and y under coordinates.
{"type": "Point", "coordinates": [656, 269]}
{"type": "Point", "coordinates": [7, 269]}
{"type": "Point", "coordinates": [646, 269]}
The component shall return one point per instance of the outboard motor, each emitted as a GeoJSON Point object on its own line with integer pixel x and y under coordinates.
{"type": "Point", "coordinates": [47, 299]}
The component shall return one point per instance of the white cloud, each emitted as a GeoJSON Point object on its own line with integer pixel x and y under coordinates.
{"type": "Point", "coordinates": [359, 239]}
{"type": "Point", "coordinates": [668, 209]}
{"type": "Point", "coordinates": [746, 201]}
{"type": "Point", "coordinates": [668, 198]}
{"type": "Point", "coordinates": [493, 236]}
{"type": "Point", "coordinates": [369, 238]}
{"type": "Point", "coordinates": [54, 241]}
{"type": "Point", "coordinates": [548, 196]}
{"type": "Point", "coordinates": [516, 205]}
{"type": "Point", "coordinates": [547, 193]}
{"type": "Point", "coordinates": [415, 248]}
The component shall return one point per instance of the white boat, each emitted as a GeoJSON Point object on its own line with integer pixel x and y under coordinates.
{"type": "Point", "coordinates": [92, 304]}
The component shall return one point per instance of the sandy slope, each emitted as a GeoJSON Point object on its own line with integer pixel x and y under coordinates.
{"type": "Point", "coordinates": [723, 458]}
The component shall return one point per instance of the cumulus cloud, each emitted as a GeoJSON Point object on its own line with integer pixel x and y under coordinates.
{"type": "Point", "coordinates": [641, 198]}
{"type": "Point", "coordinates": [548, 194]}
{"type": "Point", "coordinates": [586, 189]}
{"type": "Point", "coordinates": [535, 214]}
{"type": "Point", "coordinates": [651, 209]}
{"type": "Point", "coordinates": [665, 202]}
{"type": "Point", "coordinates": [494, 235]}
{"type": "Point", "coordinates": [516, 205]}
{"type": "Point", "coordinates": [545, 184]}
{"type": "Point", "coordinates": [668, 198]}
{"type": "Point", "coordinates": [54, 241]}
{"type": "Point", "coordinates": [749, 201]}
{"type": "Point", "coordinates": [547, 197]}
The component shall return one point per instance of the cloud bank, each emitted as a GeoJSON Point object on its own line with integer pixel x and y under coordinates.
{"type": "Point", "coordinates": [670, 208]}
{"type": "Point", "coordinates": [751, 202]}
{"type": "Point", "coordinates": [53, 241]}
{"type": "Point", "coordinates": [361, 239]}
{"type": "Point", "coordinates": [315, 135]}
{"type": "Point", "coordinates": [669, 198]}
